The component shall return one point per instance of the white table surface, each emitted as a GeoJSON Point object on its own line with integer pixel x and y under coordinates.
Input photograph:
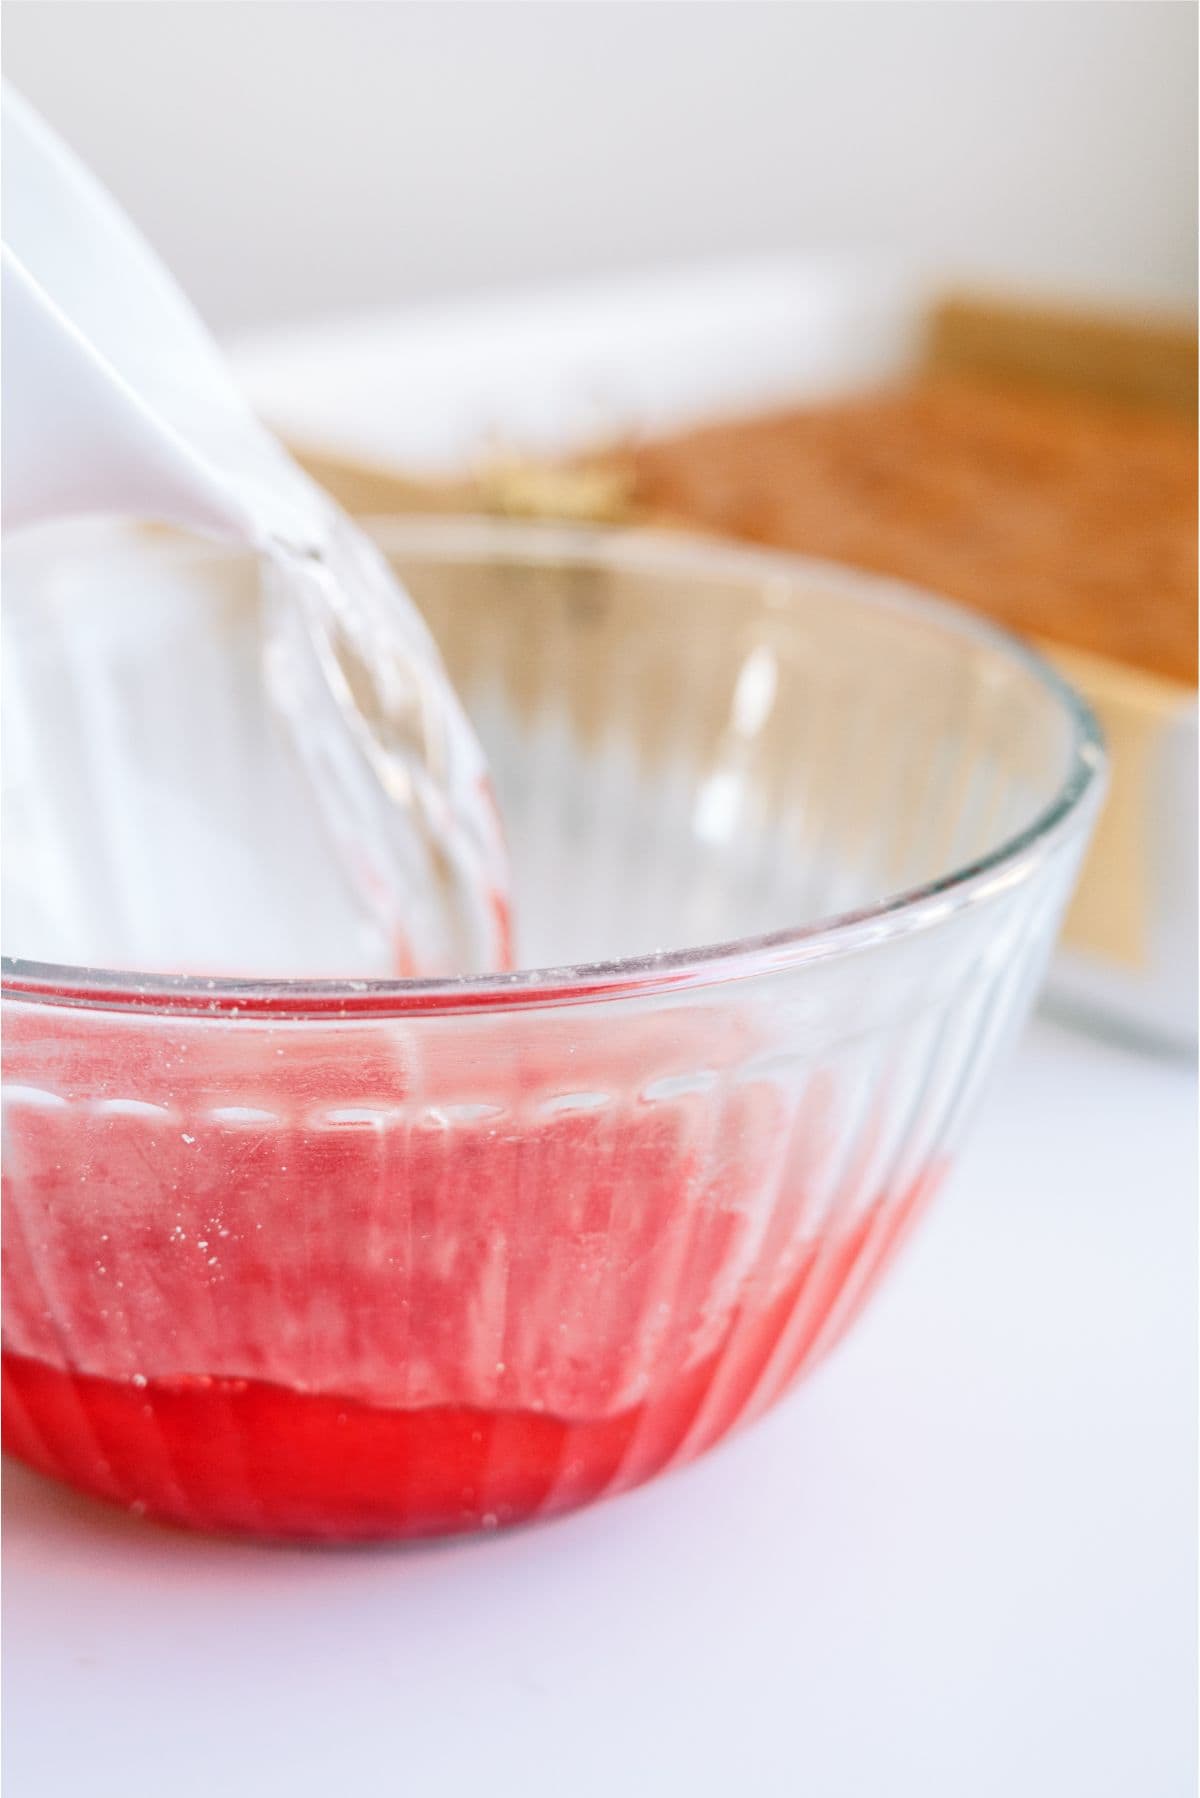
{"type": "Point", "coordinates": [959, 1561]}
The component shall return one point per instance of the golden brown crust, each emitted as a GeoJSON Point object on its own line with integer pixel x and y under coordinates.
{"type": "Point", "coordinates": [1061, 515]}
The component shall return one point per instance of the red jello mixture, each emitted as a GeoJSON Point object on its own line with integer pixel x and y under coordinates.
{"type": "Point", "coordinates": [332, 1309]}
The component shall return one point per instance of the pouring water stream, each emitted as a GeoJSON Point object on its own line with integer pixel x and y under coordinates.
{"type": "Point", "coordinates": [117, 401]}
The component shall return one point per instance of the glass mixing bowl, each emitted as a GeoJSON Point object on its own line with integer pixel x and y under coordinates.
{"type": "Point", "coordinates": [348, 1258]}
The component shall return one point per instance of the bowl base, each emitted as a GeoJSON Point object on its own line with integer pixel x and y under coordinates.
{"type": "Point", "coordinates": [251, 1458]}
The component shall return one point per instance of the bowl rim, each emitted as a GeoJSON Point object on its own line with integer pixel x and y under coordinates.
{"type": "Point", "coordinates": [644, 551]}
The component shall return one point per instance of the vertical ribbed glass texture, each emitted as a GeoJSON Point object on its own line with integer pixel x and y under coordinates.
{"type": "Point", "coordinates": [348, 1259]}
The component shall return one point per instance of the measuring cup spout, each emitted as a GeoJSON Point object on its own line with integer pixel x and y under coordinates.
{"type": "Point", "coordinates": [116, 398]}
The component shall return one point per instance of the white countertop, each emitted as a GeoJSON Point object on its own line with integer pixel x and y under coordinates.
{"type": "Point", "coordinates": [960, 1560]}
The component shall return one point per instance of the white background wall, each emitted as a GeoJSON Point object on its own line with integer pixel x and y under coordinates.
{"type": "Point", "coordinates": [292, 156]}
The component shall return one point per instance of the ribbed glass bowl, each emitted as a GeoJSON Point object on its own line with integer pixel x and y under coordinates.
{"type": "Point", "coordinates": [349, 1258]}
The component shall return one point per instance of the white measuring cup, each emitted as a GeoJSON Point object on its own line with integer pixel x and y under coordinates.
{"type": "Point", "coordinates": [116, 398]}
{"type": "Point", "coordinates": [117, 401]}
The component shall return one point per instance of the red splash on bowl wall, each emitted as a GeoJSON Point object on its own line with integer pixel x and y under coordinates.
{"type": "Point", "coordinates": [409, 1287]}
{"type": "Point", "coordinates": [256, 1458]}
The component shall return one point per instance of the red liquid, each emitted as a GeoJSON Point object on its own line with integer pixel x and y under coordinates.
{"type": "Point", "coordinates": [243, 1455]}
{"type": "Point", "coordinates": [395, 1293]}
{"type": "Point", "coordinates": [253, 1457]}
